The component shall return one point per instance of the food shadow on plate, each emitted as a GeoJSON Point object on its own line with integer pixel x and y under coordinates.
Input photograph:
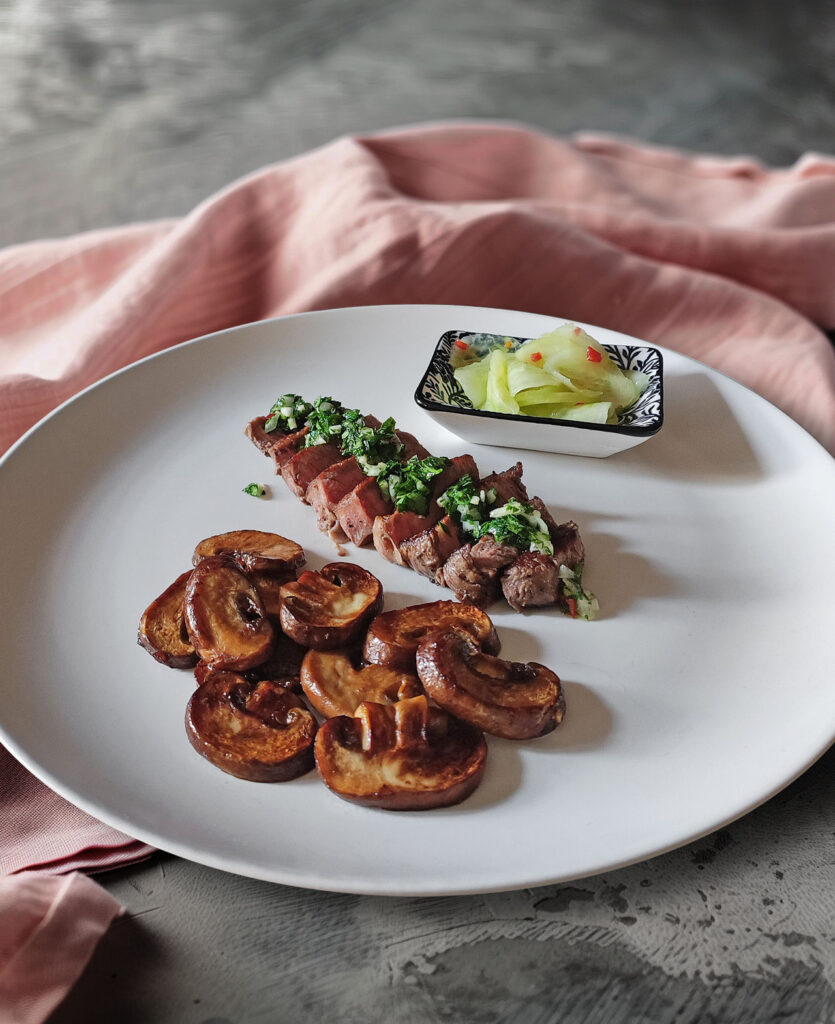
{"type": "Point", "coordinates": [502, 777]}
{"type": "Point", "coordinates": [620, 578]}
{"type": "Point", "coordinates": [519, 644]}
{"type": "Point", "coordinates": [588, 723]}
{"type": "Point", "coordinates": [701, 438]}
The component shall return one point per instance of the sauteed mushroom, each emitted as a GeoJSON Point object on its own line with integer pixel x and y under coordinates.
{"type": "Point", "coordinates": [225, 616]}
{"type": "Point", "coordinates": [403, 756]}
{"type": "Point", "coordinates": [254, 550]}
{"type": "Point", "coordinates": [162, 628]}
{"type": "Point", "coordinates": [393, 637]}
{"type": "Point", "coordinates": [261, 731]}
{"type": "Point", "coordinates": [505, 698]}
{"type": "Point", "coordinates": [335, 687]}
{"type": "Point", "coordinates": [330, 608]}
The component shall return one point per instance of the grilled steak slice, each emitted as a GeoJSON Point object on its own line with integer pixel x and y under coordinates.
{"type": "Point", "coordinates": [259, 437]}
{"type": "Point", "coordinates": [472, 572]}
{"type": "Point", "coordinates": [357, 511]}
{"type": "Point", "coordinates": [568, 545]}
{"type": "Point", "coordinates": [286, 447]}
{"type": "Point", "coordinates": [330, 487]}
{"type": "Point", "coordinates": [392, 530]}
{"type": "Point", "coordinates": [532, 580]}
{"type": "Point", "coordinates": [302, 468]}
{"type": "Point", "coordinates": [411, 445]}
{"type": "Point", "coordinates": [427, 551]}
{"type": "Point", "coordinates": [507, 485]}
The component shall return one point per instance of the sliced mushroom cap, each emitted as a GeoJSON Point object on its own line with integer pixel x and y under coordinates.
{"type": "Point", "coordinates": [162, 628]}
{"type": "Point", "coordinates": [393, 637]}
{"type": "Point", "coordinates": [261, 731]}
{"type": "Point", "coordinates": [406, 756]}
{"type": "Point", "coordinates": [330, 608]}
{"type": "Point", "coordinates": [254, 551]}
{"type": "Point", "coordinates": [504, 698]}
{"type": "Point", "coordinates": [225, 616]}
{"type": "Point", "coordinates": [335, 687]}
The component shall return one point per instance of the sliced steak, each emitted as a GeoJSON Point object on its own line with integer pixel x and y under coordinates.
{"type": "Point", "coordinates": [300, 471]}
{"type": "Point", "coordinates": [392, 530]}
{"type": "Point", "coordinates": [260, 437]}
{"type": "Point", "coordinates": [532, 580]}
{"type": "Point", "coordinates": [330, 487]}
{"type": "Point", "coordinates": [411, 446]}
{"type": "Point", "coordinates": [472, 572]}
{"type": "Point", "coordinates": [428, 550]}
{"type": "Point", "coordinates": [286, 447]}
{"type": "Point", "coordinates": [507, 485]}
{"type": "Point", "coordinates": [302, 468]}
{"type": "Point", "coordinates": [357, 511]}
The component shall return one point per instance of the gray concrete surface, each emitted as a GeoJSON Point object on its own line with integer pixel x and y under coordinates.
{"type": "Point", "coordinates": [116, 110]}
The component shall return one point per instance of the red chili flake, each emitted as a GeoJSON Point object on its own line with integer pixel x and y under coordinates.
{"type": "Point", "coordinates": [536, 357]}
{"type": "Point", "coordinates": [572, 607]}
{"type": "Point", "coordinates": [578, 330]}
{"type": "Point", "coordinates": [461, 344]}
{"type": "Point", "coordinates": [593, 355]}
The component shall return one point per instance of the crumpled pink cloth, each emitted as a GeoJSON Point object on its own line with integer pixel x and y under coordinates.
{"type": "Point", "coordinates": [722, 259]}
{"type": "Point", "coordinates": [40, 831]}
{"type": "Point", "coordinates": [50, 927]}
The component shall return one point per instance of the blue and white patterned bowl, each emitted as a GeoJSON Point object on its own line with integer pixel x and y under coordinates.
{"type": "Point", "coordinates": [440, 394]}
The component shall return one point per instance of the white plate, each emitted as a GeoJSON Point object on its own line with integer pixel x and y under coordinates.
{"type": "Point", "coordinates": [705, 687]}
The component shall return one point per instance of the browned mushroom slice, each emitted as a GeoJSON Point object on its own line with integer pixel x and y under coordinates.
{"type": "Point", "coordinates": [162, 628]}
{"type": "Point", "coordinates": [406, 756]}
{"type": "Point", "coordinates": [334, 686]}
{"type": "Point", "coordinates": [330, 608]}
{"type": "Point", "coordinates": [256, 731]}
{"type": "Point", "coordinates": [504, 698]}
{"type": "Point", "coordinates": [225, 616]}
{"type": "Point", "coordinates": [254, 551]}
{"type": "Point", "coordinates": [393, 637]}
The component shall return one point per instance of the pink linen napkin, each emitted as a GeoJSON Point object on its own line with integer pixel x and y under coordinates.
{"type": "Point", "coordinates": [40, 831]}
{"type": "Point", "coordinates": [721, 259]}
{"type": "Point", "coordinates": [50, 927]}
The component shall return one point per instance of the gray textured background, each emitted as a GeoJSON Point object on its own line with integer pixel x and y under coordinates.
{"type": "Point", "coordinates": [117, 110]}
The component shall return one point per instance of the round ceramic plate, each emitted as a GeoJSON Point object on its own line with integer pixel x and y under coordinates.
{"type": "Point", "coordinates": [705, 686]}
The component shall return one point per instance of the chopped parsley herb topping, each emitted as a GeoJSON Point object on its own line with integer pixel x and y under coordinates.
{"type": "Point", "coordinates": [467, 503]}
{"type": "Point", "coordinates": [515, 524]}
{"type": "Point", "coordinates": [289, 412]}
{"type": "Point", "coordinates": [407, 484]}
{"type": "Point", "coordinates": [520, 526]}
{"type": "Point", "coordinates": [372, 447]}
{"type": "Point", "coordinates": [256, 490]}
{"type": "Point", "coordinates": [581, 602]}
{"type": "Point", "coordinates": [325, 422]}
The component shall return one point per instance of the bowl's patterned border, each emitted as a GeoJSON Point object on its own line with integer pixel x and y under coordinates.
{"type": "Point", "coordinates": [440, 385]}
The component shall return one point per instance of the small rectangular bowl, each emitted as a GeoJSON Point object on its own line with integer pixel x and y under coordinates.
{"type": "Point", "coordinates": [441, 396]}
